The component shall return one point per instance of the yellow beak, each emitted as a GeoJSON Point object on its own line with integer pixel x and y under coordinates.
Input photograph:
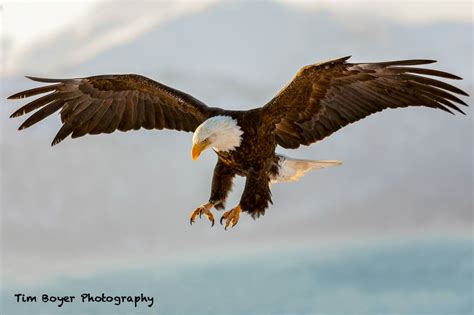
{"type": "Point", "coordinates": [197, 149]}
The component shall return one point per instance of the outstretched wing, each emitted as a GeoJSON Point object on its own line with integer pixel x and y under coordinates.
{"type": "Point", "coordinates": [322, 98]}
{"type": "Point", "coordinates": [103, 104]}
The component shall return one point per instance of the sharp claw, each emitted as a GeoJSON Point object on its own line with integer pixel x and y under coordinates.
{"type": "Point", "coordinates": [204, 209]}
{"type": "Point", "coordinates": [231, 218]}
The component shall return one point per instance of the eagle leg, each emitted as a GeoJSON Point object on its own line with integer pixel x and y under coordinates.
{"type": "Point", "coordinates": [231, 217]}
{"type": "Point", "coordinates": [203, 209]}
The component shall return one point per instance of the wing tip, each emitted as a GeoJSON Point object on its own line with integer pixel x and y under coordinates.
{"type": "Point", "coordinates": [448, 75]}
{"type": "Point", "coordinates": [14, 96]}
{"type": "Point", "coordinates": [448, 110]}
{"type": "Point", "coordinates": [18, 95]}
{"type": "Point", "coordinates": [427, 61]}
{"type": "Point", "coordinates": [56, 141]}
{"type": "Point", "coordinates": [342, 59]}
{"type": "Point", "coordinates": [460, 110]}
{"type": "Point", "coordinates": [44, 80]}
{"type": "Point", "coordinates": [407, 62]}
{"type": "Point", "coordinates": [455, 77]}
{"type": "Point", "coordinates": [15, 114]}
{"type": "Point", "coordinates": [421, 61]}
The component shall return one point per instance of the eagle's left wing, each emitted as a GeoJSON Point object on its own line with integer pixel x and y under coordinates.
{"type": "Point", "coordinates": [105, 103]}
{"type": "Point", "coordinates": [322, 98]}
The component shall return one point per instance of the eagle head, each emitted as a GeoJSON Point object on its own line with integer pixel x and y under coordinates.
{"type": "Point", "coordinates": [222, 133]}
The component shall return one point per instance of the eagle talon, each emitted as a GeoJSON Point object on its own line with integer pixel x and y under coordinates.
{"type": "Point", "coordinates": [231, 217]}
{"type": "Point", "coordinates": [204, 209]}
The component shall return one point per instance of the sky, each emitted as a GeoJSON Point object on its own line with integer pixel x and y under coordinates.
{"type": "Point", "coordinates": [112, 200]}
{"type": "Point", "coordinates": [26, 22]}
{"type": "Point", "coordinates": [51, 17]}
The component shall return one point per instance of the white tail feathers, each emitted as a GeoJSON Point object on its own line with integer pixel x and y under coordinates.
{"type": "Point", "coordinates": [292, 169]}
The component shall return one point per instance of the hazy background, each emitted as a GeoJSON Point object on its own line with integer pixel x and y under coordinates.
{"type": "Point", "coordinates": [389, 231]}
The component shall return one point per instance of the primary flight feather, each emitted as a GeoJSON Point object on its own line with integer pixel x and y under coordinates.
{"type": "Point", "coordinates": [319, 100]}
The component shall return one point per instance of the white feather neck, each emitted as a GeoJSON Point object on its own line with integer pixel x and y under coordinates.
{"type": "Point", "coordinates": [223, 133]}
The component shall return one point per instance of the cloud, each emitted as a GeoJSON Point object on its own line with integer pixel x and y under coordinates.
{"type": "Point", "coordinates": [71, 25]}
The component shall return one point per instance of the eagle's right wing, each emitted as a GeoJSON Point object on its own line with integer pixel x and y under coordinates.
{"type": "Point", "coordinates": [103, 104]}
{"type": "Point", "coordinates": [323, 98]}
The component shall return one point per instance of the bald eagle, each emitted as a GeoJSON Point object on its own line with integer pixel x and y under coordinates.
{"type": "Point", "coordinates": [319, 100]}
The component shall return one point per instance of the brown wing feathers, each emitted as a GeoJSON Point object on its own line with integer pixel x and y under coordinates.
{"type": "Point", "coordinates": [103, 104]}
{"type": "Point", "coordinates": [325, 97]}
{"type": "Point", "coordinates": [318, 101]}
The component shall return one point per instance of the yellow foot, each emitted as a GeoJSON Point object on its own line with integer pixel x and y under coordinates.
{"type": "Point", "coordinates": [204, 209]}
{"type": "Point", "coordinates": [231, 217]}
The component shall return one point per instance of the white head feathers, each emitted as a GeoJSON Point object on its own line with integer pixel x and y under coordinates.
{"type": "Point", "coordinates": [222, 132]}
